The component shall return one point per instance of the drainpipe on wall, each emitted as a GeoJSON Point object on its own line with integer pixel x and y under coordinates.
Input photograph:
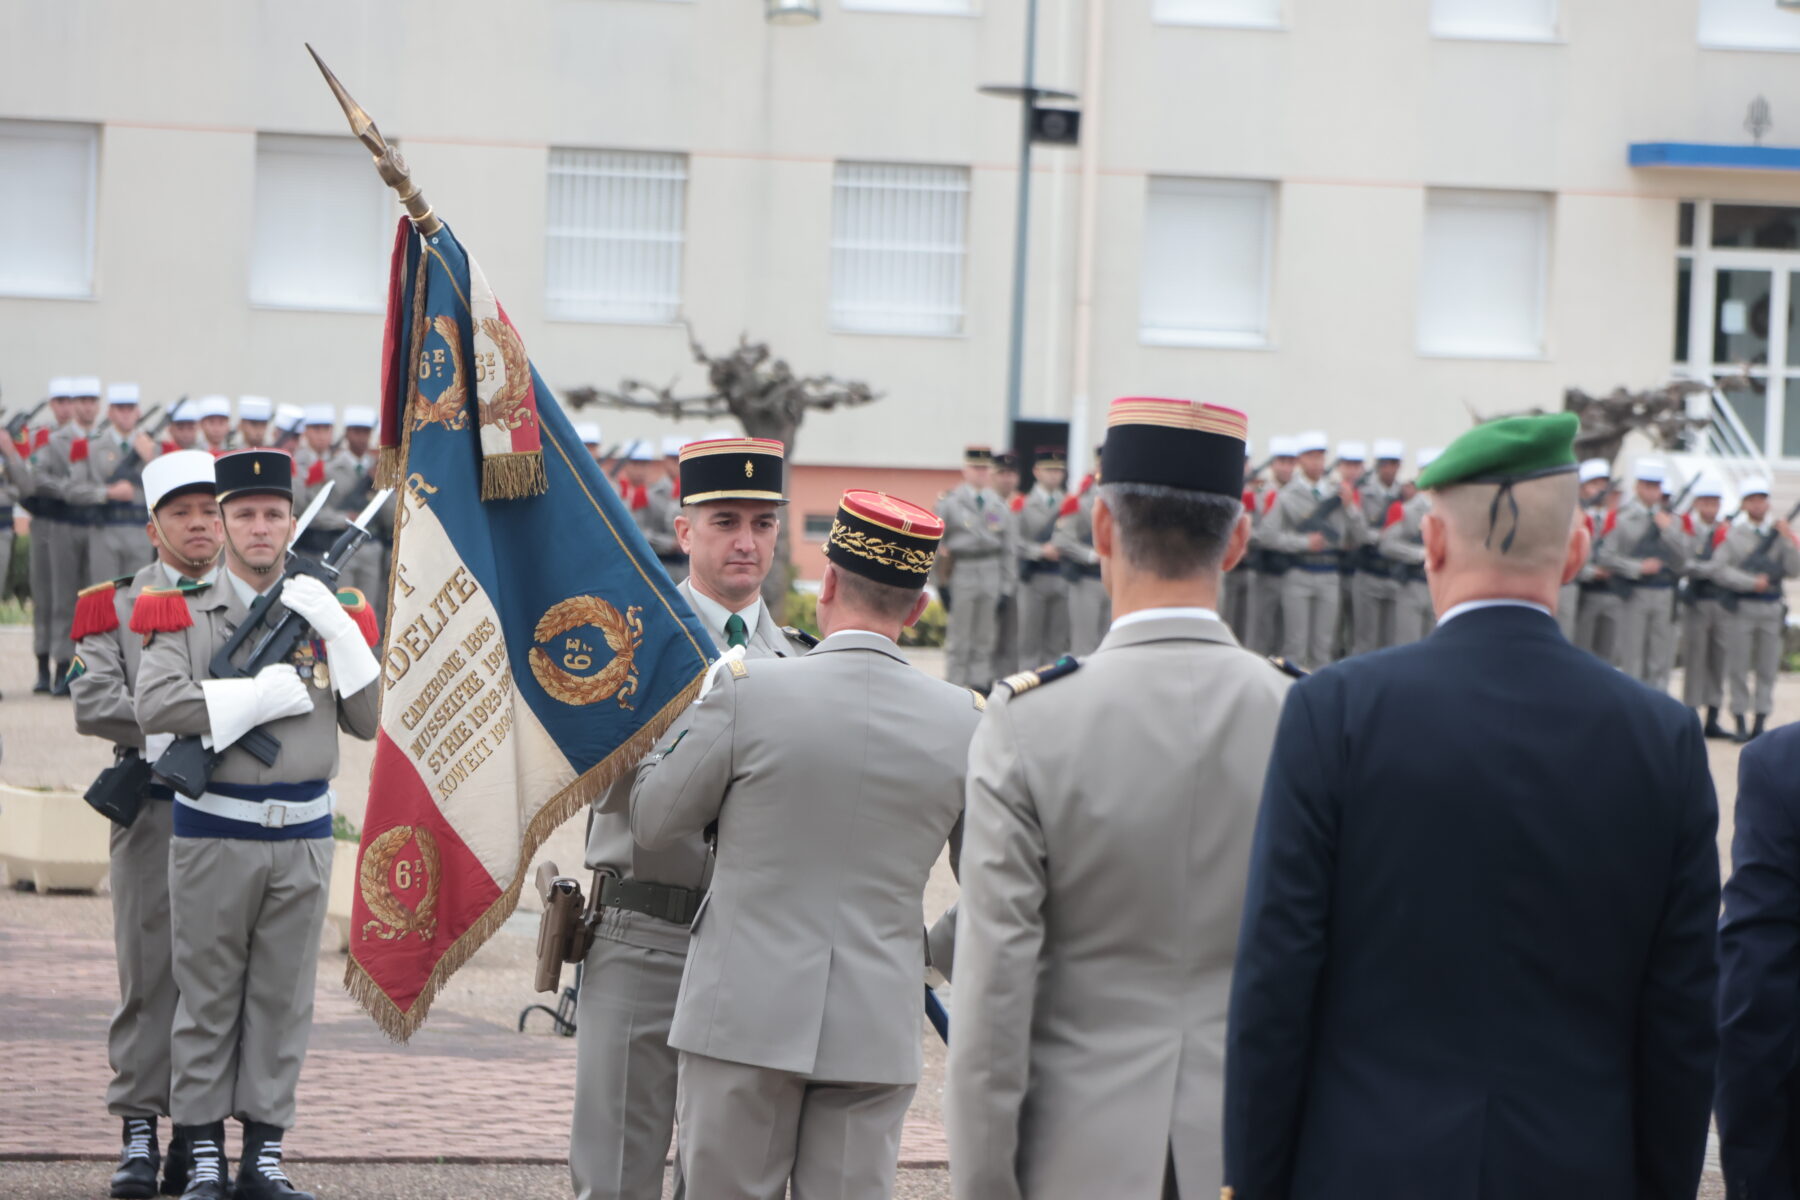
{"type": "Point", "coordinates": [1087, 239]}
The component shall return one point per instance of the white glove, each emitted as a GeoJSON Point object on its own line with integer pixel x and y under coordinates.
{"type": "Point", "coordinates": [318, 607]}
{"type": "Point", "coordinates": [353, 666]}
{"type": "Point", "coordinates": [236, 706]}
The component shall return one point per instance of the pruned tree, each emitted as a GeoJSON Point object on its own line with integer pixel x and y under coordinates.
{"type": "Point", "coordinates": [747, 383]}
{"type": "Point", "coordinates": [1661, 414]}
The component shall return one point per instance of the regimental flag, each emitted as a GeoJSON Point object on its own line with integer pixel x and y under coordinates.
{"type": "Point", "coordinates": [535, 648]}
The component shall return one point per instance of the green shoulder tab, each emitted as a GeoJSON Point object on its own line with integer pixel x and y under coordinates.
{"type": "Point", "coordinates": [800, 635]}
{"type": "Point", "coordinates": [188, 587]}
{"type": "Point", "coordinates": [124, 581]}
{"type": "Point", "coordinates": [1026, 681]}
{"type": "Point", "coordinates": [1287, 668]}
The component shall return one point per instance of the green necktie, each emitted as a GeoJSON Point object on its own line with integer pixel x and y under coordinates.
{"type": "Point", "coordinates": [736, 632]}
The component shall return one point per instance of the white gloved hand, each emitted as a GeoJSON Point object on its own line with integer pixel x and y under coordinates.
{"type": "Point", "coordinates": [318, 606]}
{"type": "Point", "coordinates": [353, 666]}
{"type": "Point", "coordinates": [236, 706]}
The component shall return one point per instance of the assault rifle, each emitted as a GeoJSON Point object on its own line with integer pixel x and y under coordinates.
{"type": "Point", "coordinates": [1320, 521]}
{"type": "Point", "coordinates": [1758, 561]}
{"type": "Point", "coordinates": [19, 422]}
{"type": "Point", "coordinates": [188, 764]}
{"type": "Point", "coordinates": [1651, 544]}
{"type": "Point", "coordinates": [131, 460]}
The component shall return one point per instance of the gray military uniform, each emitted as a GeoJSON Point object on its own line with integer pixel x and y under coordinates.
{"type": "Point", "coordinates": [835, 782]}
{"type": "Point", "coordinates": [1403, 543]}
{"type": "Point", "coordinates": [1263, 632]}
{"type": "Point", "coordinates": [70, 533]}
{"type": "Point", "coordinates": [975, 536]}
{"type": "Point", "coordinates": [1646, 641]}
{"type": "Point", "coordinates": [1754, 632]}
{"type": "Point", "coordinates": [137, 1040]}
{"type": "Point", "coordinates": [1043, 595]}
{"type": "Point", "coordinates": [625, 1070]}
{"type": "Point", "coordinates": [15, 485]}
{"type": "Point", "coordinates": [656, 521]}
{"type": "Point", "coordinates": [1090, 611]}
{"type": "Point", "coordinates": [1311, 591]}
{"type": "Point", "coordinates": [353, 486]}
{"type": "Point", "coordinates": [1375, 588]}
{"type": "Point", "coordinates": [246, 914]}
{"type": "Point", "coordinates": [1597, 617]}
{"type": "Point", "coordinates": [1098, 923]}
{"type": "Point", "coordinates": [1705, 639]}
{"type": "Point", "coordinates": [116, 544]}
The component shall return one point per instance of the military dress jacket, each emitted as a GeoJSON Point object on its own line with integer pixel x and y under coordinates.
{"type": "Point", "coordinates": [685, 862]}
{"type": "Point", "coordinates": [1402, 538]}
{"type": "Point", "coordinates": [170, 699]}
{"type": "Point", "coordinates": [92, 460]}
{"type": "Point", "coordinates": [835, 781]}
{"type": "Point", "coordinates": [975, 523]}
{"type": "Point", "coordinates": [1298, 503]}
{"type": "Point", "coordinates": [105, 670]}
{"type": "Point", "coordinates": [1743, 540]}
{"type": "Point", "coordinates": [1477, 954]}
{"type": "Point", "coordinates": [1110, 815]}
{"type": "Point", "coordinates": [1074, 535]}
{"type": "Point", "coordinates": [1627, 537]}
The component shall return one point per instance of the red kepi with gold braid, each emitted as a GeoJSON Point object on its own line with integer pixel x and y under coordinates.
{"type": "Point", "coordinates": [535, 649]}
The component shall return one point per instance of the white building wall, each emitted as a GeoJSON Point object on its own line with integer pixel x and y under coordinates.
{"type": "Point", "coordinates": [1353, 110]}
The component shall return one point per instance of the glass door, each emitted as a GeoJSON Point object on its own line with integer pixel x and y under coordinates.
{"type": "Point", "coordinates": [1744, 340]}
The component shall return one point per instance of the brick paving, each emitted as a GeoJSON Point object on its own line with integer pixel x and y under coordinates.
{"type": "Point", "coordinates": [463, 1090]}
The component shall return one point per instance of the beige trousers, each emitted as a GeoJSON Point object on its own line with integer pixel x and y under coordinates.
{"type": "Point", "coordinates": [747, 1132]}
{"type": "Point", "coordinates": [624, 1072]}
{"type": "Point", "coordinates": [1646, 646]}
{"type": "Point", "coordinates": [1042, 606]}
{"type": "Point", "coordinates": [1753, 645]}
{"type": "Point", "coordinates": [246, 921]}
{"type": "Point", "coordinates": [973, 635]}
{"type": "Point", "coordinates": [137, 1040]}
{"type": "Point", "coordinates": [1703, 650]}
{"type": "Point", "coordinates": [1309, 616]}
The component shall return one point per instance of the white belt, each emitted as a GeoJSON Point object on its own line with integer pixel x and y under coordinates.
{"type": "Point", "coordinates": [271, 814]}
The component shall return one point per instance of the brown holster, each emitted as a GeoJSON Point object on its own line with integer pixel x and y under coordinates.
{"type": "Point", "coordinates": [566, 929]}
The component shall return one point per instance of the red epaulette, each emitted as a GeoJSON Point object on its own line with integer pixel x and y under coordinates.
{"type": "Point", "coordinates": [1249, 499]}
{"type": "Point", "coordinates": [42, 439]}
{"type": "Point", "coordinates": [1589, 518]}
{"type": "Point", "coordinates": [1070, 506]}
{"type": "Point", "coordinates": [362, 612]}
{"type": "Point", "coordinates": [1687, 524]}
{"type": "Point", "coordinates": [24, 447]}
{"type": "Point", "coordinates": [169, 447]}
{"type": "Point", "coordinates": [639, 498]}
{"type": "Point", "coordinates": [1612, 521]}
{"type": "Point", "coordinates": [78, 450]}
{"type": "Point", "coordinates": [1720, 534]}
{"type": "Point", "coordinates": [1396, 514]}
{"type": "Point", "coordinates": [315, 474]}
{"type": "Point", "coordinates": [160, 610]}
{"type": "Point", "coordinates": [1269, 499]}
{"type": "Point", "coordinates": [94, 611]}
{"type": "Point", "coordinates": [1017, 504]}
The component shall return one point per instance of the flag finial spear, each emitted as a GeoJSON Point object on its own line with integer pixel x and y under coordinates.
{"type": "Point", "coordinates": [387, 159]}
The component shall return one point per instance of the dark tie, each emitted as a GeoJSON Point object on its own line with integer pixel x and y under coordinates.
{"type": "Point", "coordinates": [736, 632]}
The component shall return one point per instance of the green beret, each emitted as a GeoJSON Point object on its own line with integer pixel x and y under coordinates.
{"type": "Point", "coordinates": [1505, 451]}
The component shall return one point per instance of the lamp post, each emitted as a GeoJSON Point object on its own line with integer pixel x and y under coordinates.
{"type": "Point", "coordinates": [1028, 94]}
{"type": "Point", "coordinates": [791, 12]}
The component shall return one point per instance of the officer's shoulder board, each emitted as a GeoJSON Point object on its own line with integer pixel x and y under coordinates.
{"type": "Point", "coordinates": [165, 609]}
{"type": "Point", "coordinates": [1026, 681]}
{"type": "Point", "coordinates": [94, 608]}
{"type": "Point", "coordinates": [1287, 668]}
{"type": "Point", "coordinates": [797, 634]}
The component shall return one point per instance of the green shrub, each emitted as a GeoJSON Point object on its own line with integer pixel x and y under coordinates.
{"type": "Point", "coordinates": [343, 829]}
{"type": "Point", "coordinates": [802, 612]}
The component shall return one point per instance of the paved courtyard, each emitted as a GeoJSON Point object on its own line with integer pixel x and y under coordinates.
{"type": "Point", "coordinates": [469, 1108]}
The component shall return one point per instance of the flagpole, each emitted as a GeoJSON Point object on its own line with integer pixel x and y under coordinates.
{"type": "Point", "coordinates": [387, 159]}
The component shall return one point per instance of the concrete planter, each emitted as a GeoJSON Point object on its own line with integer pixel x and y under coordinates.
{"type": "Point", "coordinates": [343, 890]}
{"type": "Point", "coordinates": [53, 840]}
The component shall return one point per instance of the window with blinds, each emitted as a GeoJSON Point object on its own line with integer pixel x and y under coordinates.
{"type": "Point", "coordinates": [323, 226]}
{"type": "Point", "coordinates": [614, 234]}
{"type": "Point", "coordinates": [47, 208]}
{"type": "Point", "coordinates": [898, 240]}
{"type": "Point", "coordinates": [1481, 286]}
{"type": "Point", "coordinates": [1207, 253]}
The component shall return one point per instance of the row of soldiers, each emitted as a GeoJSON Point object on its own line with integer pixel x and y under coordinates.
{"type": "Point", "coordinates": [1336, 567]}
{"type": "Point", "coordinates": [75, 464]}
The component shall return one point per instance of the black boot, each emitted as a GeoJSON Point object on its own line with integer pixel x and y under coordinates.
{"type": "Point", "coordinates": [42, 686]}
{"type": "Point", "coordinates": [260, 1176]}
{"type": "Point", "coordinates": [136, 1177]}
{"type": "Point", "coordinates": [178, 1164]}
{"type": "Point", "coordinates": [61, 686]}
{"type": "Point", "coordinates": [1743, 729]}
{"type": "Point", "coordinates": [209, 1176]}
{"type": "Point", "coordinates": [1762, 722]}
{"type": "Point", "coordinates": [1713, 728]}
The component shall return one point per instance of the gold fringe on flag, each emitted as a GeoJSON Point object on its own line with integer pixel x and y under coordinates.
{"type": "Point", "coordinates": [513, 476]}
{"type": "Point", "coordinates": [387, 467]}
{"type": "Point", "coordinates": [400, 1024]}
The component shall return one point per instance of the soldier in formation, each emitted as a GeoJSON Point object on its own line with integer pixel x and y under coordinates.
{"type": "Point", "coordinates": [1006, 617]}
{"type": "Point", "coordinates": [250, 858]}
{"type": "Point", "coordinates": [1758, 553]}
{"type": "Point", "coordinates": [1314, 521]}
{"type": "Point", "coordinates": [1043, 590]}
{"type": "Point", "coordinates": [975, 537]}
{"type": "Point", "coordinates": [184, 533]}
{"type": "Point", "coordinates": [1089, 610]}
{"type": "Point", "coordinates": [1645, 546]}
{"type": "Point", "coordinates": [734, 491]}
{"type": "Point", "coordinates": [1705, 645]}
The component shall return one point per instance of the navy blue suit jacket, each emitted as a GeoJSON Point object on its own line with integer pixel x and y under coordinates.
{"type": "Point", "coordinates": [1759, 977]}
{"type": "Point", "coordinates": [1477, 952]}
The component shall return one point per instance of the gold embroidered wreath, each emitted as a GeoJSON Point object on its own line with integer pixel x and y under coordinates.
{"type": "Point", "coordinates": [392, 918]}
{"type": "Point", "coordinates": [450, 408]}
{"type": "Point", "coordinates": [623, 634]}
